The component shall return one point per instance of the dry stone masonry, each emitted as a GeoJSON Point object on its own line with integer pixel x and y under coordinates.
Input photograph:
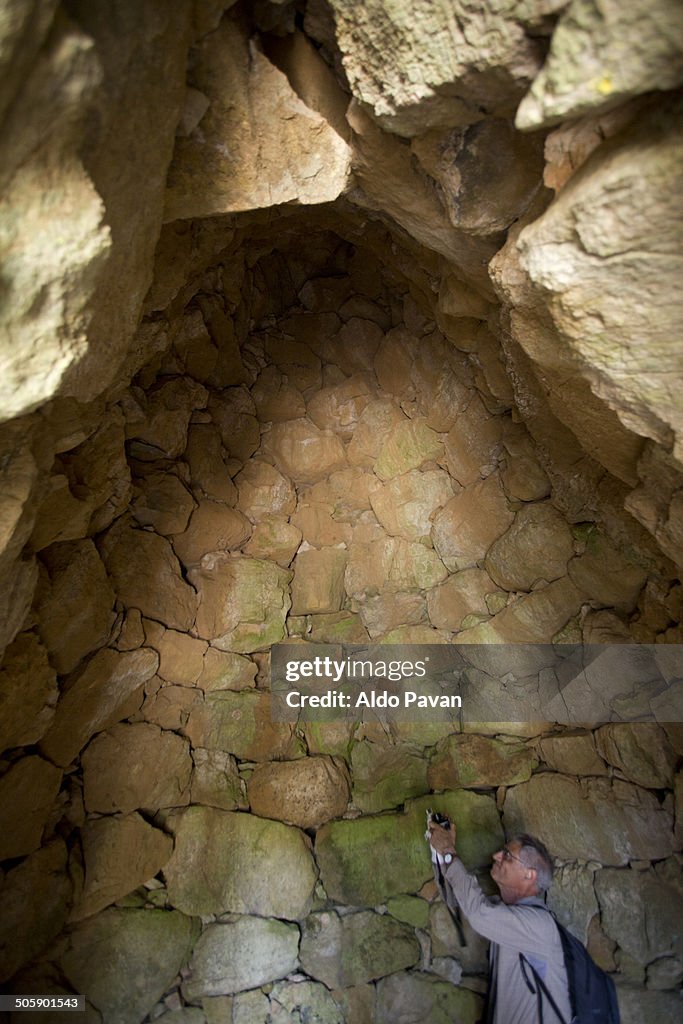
{"type": "Point", "coordinates": [339, 323]}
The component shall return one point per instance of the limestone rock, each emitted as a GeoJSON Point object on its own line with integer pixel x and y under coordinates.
{"type": "Point", "coordinates": [305, 792]}
{"type": "Point", "coordinates": [612, 822]}
{"type": "Point", "coordinates": [146, 575]}
{"type": "Point", "coordinates": [379, 44]}
{"type": "Point", "coordinates": [470, 522]}
{"type": "Point", "coordinates": [274, 539]}
{"type": "Point", "coordinates": [534, 618]}
{"type": "Point", "coordinates": [181, 657]}
{"type": "Point", "coordinates": [585, 71]}
{"type": "Point", "coordinates": [394, 360]}
{"type": "Point", "coordinates": [305, 999]}
{"type": "Point", "coordinates": [303, 452]}
{"type": "Point", "coordinates": [216, 781]}
{"type": "Point", "coordinates": [157, 423]}
{"type": "Point", "coordinates": [243, 601]}
{"type": "Point", "coordinates": [605, 575]}
{"type": "Point", "coordinates": [572, 755]}
{"type": "Point", "coordinates": [304, 159]}
{"type": "Point", "coordinates": [318, 583]}
{"type": "Point", "coordinates": [71, 627]}
{"type": "Point", "coordinates": [641, 751]}
{"type": "Point", "coordinates": [27, 794]}
{"type": "Point", "coordinates": [370, 559]}
{"type": "Point", "coordinates": [337, 627]}
{"type": "Point", "coordinates": [352, 854]}
{"type": "Point", "coordinates": [98, 697]}
{"type": "Point", "coordinates": [28, 692]}
{"type": "Point", "coordinates": [406, 505]}
{"type": "Point", "coordinates": [120, 854]}
{"type": "Point", "coordinates": [537, 546]}
{"type": "Point", "coordinates": [641, 912]}
{"type": "Point", "coordinates": [340, 406]}
{"type": "Point", "coordinates": [233, 411]}
{"type": "Point", "coordinates": [469, 592]}
{"type": "Point", "coordinates": [277, 882]}
{"type": "Point", "coordinates": [124, 960]}
{"type": "Point", "coordinates": [164, 503]}
{"type": "Point", "coordinates": [375, 426]}
{"type": "Point", "coordinates": [241, 724]}
{"type": "Point", "coordinates": [410, 445]}
{"type": "Point", "coordinates": [489, 174]}
{"type": "Point", "coordinates": [319, 526]}
{"type": "Point", "coordinates": [386, 776]}
{"type": "Point", "coordinates": [408, 996]}
{"type": "Point", "coordinates": [473, 444]}
{"type": "Point", "coordinates": [243, 954]}
{"type": "Point", "coordinates": [213, 527]}
{"type": "Point", "coordinates": [467, 760]}
{"type": "Point", "coordinates": [136, 766]}
{"type": "Point", "coordinates": [572, 898]}
{"type": "Point", "coordinates": [204, 455]}
{"type": "Point", "coordinates": [169, 707]}
{"type": "Point", "coordinates": [383, 612]}
{"type": "Point", "coordinates": [636, 1005]}
{"type": "Point", "coordinates": [35, 901]}
{"type": "Point", "coordinates": [275, 399]}
{"type": "Point", "coordinates": [264, 492]}
{"type": "Point", "coordinates": [353, 348]}
{"type": "Point", "coordinates": [355, 948]}
{"type": "Point", "coordinates": [99, 467]}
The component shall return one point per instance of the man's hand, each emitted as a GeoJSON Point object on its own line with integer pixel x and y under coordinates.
{"type": "Point", "coordinates": [442, 839]}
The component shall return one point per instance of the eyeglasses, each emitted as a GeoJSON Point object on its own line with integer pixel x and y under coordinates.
{"type": "Point", "coordinates": [509, 855]}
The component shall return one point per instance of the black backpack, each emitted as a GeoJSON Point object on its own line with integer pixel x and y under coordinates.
{"type": "Point", "coordinates": [592, 996]}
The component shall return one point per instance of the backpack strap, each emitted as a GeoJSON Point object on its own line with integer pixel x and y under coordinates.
{"type": "Point", "coordinates": [540, 990]}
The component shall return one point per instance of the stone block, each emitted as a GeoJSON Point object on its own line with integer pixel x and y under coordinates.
{"type": "Point", "coordinates": [100, 695]}
{"type": "Point", "coordinates": [303, 452]}
{"type": "Point", "coordinates": [318, 583]}
{"type": "Point", "coordinates": [642, 912]}
{"type": "Point", "coordinates": [243, 602]}
{"type": "Point", "coordinates": [410, 445]}
{"type": "Point", "coordinates": [146, 574]}
{"type": "Point", "coordinates": [412, 997]}
{"type": "Point", "coordinates": [243, 954]}
{"type": "Point", "coordinates": [640, 751]}
{"type": "Point", "coordinates": [407, 504]}
{"type": "Point", "coordinates": [607, 576]}
{"type": "Point", "coordinates": [137, 766]}
{"type": "Point", "coordinates": [468, 592]}
{"type": "Point", "coordinates": [206, 457]}
{"type": "Point", "coordinates": [305, 792]}
{"type": "Point", "coordinates": [163, 502]}
{"type": "Point", "coordinates": [353, 949]}
{"type": "Point", "coordinates": [123, 960]}
{"type": "Point", "coordinates": [234, 413]}
{"type": "Point", "coordinates": [263, 491]}
{"type": "Point", "coordinates": [213, 526]}
{"type": "Point", "coordinates": [28, 692]}
{"type": "Point", "coordinates": [305, 999]}
{"type": "Point", "coordinates": [120, 854]}
{"type": "Point", "coordinates": [274, 539]}
{"type": "Point", "coordinates": [468, 760]}
{"type": "Point", "coordinates": [536, 547]}
{"type": "Point", "coordinates": [340, 406]}
{"type": "Point", "coordinates": [383, 612]}
{"type": "Point", "coordinates": [35, 903]}
{"type": "Point", "coordinates": [157, 423]}
{"type": "Point", "coordinates": [275, 399]}
{"type": "Point", "coordinates": [70, 627]}
{"type": "Point", "coordinates": [216, 781]}
{"type": "Point", "coordinates": [591, 819]}
{"type": "Point", "coordinates": [353, 348]}
{"type": "Point", "coordinates": [375, 426]}
{"type": "Point", "coordinates": [572, 755]}
{"type": "Point", "coordinates": [470, 522]}
{"type": "Point", "coordinates": [259, 867]}
{"type": "Point", "coordinates": [386, 776]}
{"type": "Point", "coordinates": [473, 444]}
{"type": "Point", "coordinates": [181, 657]}
{"type": "Point", "coordinates": [241, 724]}
{"type": "Point", "coordinates": [28, 791]}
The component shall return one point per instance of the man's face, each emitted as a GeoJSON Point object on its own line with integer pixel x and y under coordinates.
{"type": "Point", "coordinates": [514, 879]}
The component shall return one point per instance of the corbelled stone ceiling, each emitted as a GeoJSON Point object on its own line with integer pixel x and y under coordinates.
{"type": "Point", "coordinates": [345, 323]}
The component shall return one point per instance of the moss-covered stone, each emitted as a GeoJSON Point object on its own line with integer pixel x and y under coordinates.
{"type": "Point", "coordinates": [407, 447]}
{"type": "Point", "coordinates": [386, 776]}
{"type": "Point", "coordinates": [355, 948]}
{"type": "Point", "coordinates": [415, 997]}
{"type": "Point", "coordinates": [411, 909]}
{"type": "Point", "coordinates": [469, 760]}
{"type": "Point", "coordinates": [124, 960]}
{"type": "Point", "coordinates": [240, 724]}
{"type": "Point", "coordinates": [225, 861]}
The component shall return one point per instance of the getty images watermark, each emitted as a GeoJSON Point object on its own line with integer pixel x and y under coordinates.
{"type": "Point", "coordinates": [573, 684]}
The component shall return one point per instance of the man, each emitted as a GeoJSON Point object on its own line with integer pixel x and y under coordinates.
{"type": "Point", "coordinates": [516, 924]}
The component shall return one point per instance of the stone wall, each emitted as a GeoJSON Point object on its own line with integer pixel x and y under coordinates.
{"type": "Point", "coordinates": [385, 389]}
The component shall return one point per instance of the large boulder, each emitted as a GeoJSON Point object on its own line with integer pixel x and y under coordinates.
{"type": "Point", "coordinates": [641, 910]}
{"type": "Point", "coordinates": [243, 954]}
{"type": "Point", "coordinates": [412, 997]}
{"type": "Point", "coordinates": [318, 583]}
{"type": "Point", "coordinates": [303, 452]}
{"type": "Point", "coordinates": [28, 692]}
{"type": "Point", "coordinates": [465, 528]}
{"type": "Point", "coordinates": [28, 791]}
{"type": "Point", "coordinates": [352, 949]}
{"type": "Point", "coordinates": [213, 526]}
{"type": "Point", "coordinates": [257, 866]}
{"type": "Point", "coordinates": [241, 724]}
{"type": "Point", "coordinates": [305, 792]}
{"type": "Point", "coordinates": [591, 819]}
{"type": "Point", "coordinates": [469, 760]}
{"type": "Point", "coordinates": [537, 546]}
{"type": "Point", "coordinates": [243, 601]}
{"type": "Point", "coordinates": [405, 505]}
{"type": "Point", "coordinates": [123, 960]}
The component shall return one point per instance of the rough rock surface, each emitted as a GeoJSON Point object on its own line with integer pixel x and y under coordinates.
{"type": "Point", "coordinates": [305, 792]}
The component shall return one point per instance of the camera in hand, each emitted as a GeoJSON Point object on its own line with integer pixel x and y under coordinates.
{"type": "Point", "coordinates": [436, 818]}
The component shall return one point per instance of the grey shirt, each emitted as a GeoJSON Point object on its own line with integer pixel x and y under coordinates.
{"type": "Point", "coordinates": [523, 927]}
